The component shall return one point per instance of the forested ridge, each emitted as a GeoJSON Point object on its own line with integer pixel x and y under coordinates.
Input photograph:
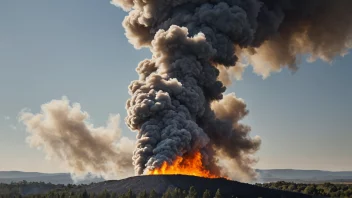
{"type": "Point", "coordinates": [48, 190]}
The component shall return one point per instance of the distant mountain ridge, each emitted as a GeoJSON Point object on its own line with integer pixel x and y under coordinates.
{"type": "Point", "coordinates": [271, 175]}
{"type": "Point", "coordinates": [54, 178]}
{"type": "Point", "coordinates": [20, 174]}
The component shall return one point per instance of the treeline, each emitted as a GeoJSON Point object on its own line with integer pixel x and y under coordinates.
{"type": "Point", "coordinates": [324, 190]}
{"type": "Point", "coordinates": [17, 189]}
{"type": "Point", "coordinates": [170, 193]}
{"type": "Point", "coordinates": [36, 189]}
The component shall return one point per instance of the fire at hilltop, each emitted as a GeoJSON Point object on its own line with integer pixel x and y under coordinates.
{"type": "Point", "coordinates": [185, 165]}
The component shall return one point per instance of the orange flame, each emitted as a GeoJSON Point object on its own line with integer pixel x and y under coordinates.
{"type": "Point", "coordinates": [186, 165]}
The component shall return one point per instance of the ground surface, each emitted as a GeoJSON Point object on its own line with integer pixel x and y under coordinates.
{"type": "Point", "coordinates": [160, 183]}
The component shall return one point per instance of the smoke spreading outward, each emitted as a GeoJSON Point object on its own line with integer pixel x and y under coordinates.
{"type": "Point", "coordinates": [177, 104]}
{"type": "Point", "coordinates": [64, 133]}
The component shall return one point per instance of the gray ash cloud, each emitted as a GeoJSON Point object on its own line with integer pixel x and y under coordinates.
{"type": "Point", "coordinates": [177, 105]}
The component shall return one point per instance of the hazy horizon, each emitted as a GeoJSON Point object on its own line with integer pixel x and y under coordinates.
{"type": "Point", "coordinates": [51, 49]}
{"type": "Point", "coordinates": [350, 171]}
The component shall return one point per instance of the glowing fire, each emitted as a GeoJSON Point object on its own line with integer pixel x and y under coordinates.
{"type": "Point", "coordinates": [186, 165]}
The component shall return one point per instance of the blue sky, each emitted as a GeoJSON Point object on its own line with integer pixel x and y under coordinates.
{"type": "Point", "coordinates": [49, 49]}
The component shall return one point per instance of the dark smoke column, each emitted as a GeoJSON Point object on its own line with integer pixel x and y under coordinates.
{"type": "Point", "coordinates": [177, 105]}
{"type": "Point", "coordinates": [171, 102]}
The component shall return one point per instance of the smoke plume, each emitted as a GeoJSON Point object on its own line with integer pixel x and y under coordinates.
{"type": "Point", "coordinates": [289, 29]}
{"type": "Point", "coordinates": [63, 133]}
{"type": "Point", "coordinates": [177, 105]}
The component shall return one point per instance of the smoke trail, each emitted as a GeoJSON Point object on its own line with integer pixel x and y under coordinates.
{"type": "Point", "coordinates": [63, 133]}
{"type": "Point", "coordinates": [190, 39]}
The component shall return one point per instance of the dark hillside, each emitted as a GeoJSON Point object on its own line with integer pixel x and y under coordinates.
{"type": "Point", "coordinates": [160, 183]}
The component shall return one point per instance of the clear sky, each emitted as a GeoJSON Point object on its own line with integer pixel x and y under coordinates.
{"type": "Point", "coordinates": [49, 49]}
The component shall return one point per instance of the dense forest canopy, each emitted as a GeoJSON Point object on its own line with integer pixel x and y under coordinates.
{"type": "Point", "coordinates": [78, 191]}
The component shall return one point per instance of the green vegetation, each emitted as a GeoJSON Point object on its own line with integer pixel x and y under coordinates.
{"type": "Point", "coordinates": [192, 193]}
{"type": "Point", "coordinates": [325, 190]}
{"type": "Point", "coordinates": [142, 195]}
{"type": "Point", "coordinates": [206, 194]}
{"type": "Point", "coordinates": [217, 194]}
{"type": "Point", "coordinates": [16, 190]}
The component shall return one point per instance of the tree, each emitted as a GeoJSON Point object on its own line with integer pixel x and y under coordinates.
{"type": "Point", "coordinates": [310, 190]}
{"type": "Point", "coordinates": [206, 194]}
{"type": "Point", "coordinates": [192, 193]}
{"type": "Point", "coordinates": [292, 187]}
{"type": "Point", "coordinates": [104, 194]}
{"type": "Point", "coordinates": [153, 194]}
{"type": "Point", "coordinates": [184, 193]}
{"type": "Point", "coordinates": [218, 194]}
{"type": "Point", "coordinates": [142, 194]}
{"type": "Point", "coordinates": [167, 194]}
{"type": "Point", "coordinates": [129, 194]}
{"type": "Point", "coordinates": [114, 195]}
{"type": "Point", "coordinates": [85, 194]}
{"type": "Point", "coordinates": [348, 193]}
{"type": "Point", "coordinates": [62, 195]}
{"type": "Point", "coordinates": [176, 193]}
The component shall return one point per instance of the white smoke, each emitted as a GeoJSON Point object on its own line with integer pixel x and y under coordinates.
{"type": "Point", "coordinates": [63, 132]}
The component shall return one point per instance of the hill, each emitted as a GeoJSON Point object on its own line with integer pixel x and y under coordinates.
{"type": "Point", "coordinates": [303, 176]}
{"type": "Point", "coordinates": [54, 178]}
{"type": "Point", "coordinates": [273, 175]}
{"type": "Point", "coordinates": [160, 183]}
{"type": "Point", "coordinates": [19, 174]}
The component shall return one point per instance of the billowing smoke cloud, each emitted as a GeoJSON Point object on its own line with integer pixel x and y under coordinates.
{"type": "Point", "coordinates": [63, 132]}
{"type": "Point", "coordinates": [289, 29]}
{"type": "Point", "coordinates": [230, 138]}
{"type": "Point", "coordinates": [173, 105]}
{"type": "Point", "coordinates": [178, 105]}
